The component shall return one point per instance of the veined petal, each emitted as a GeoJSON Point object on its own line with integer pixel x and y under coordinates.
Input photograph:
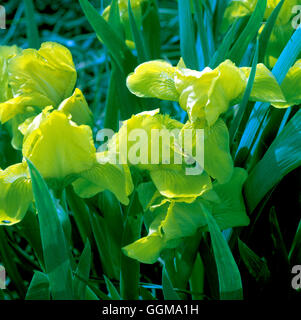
{"type": "Point", "coordinates": [226, 90]}
{"type": "Point", "coordinates": [167, 230]}
{"type": "Point", "coordinates": [148, 134]}
{"type": "Point", "coordinates": [154, 79]}
{"type": "Point", "coordinates": [147, 249]}
{"type": "Point", "coordinates": [13, 107]}
{"type": "Point", "coordinates": [207, 94]}
{"type": "Point", "coordinates": [15, 193]}
{"type": "Point", "coordinates": [41, 78]}
{"type": "Point", "coordinates": [217, 160]}
{"type": "Point", "coordinates": [176, 183]}
{"type": "Point", "coordinates": [6, 53]}
{"type": "Point", "coordinates": [77, 106]}
{"type": "Point", "coordinates": [193, 87]}
{"type": "Point", "coordinates": [265, 86]}
{"type": "Point", "coordinates": [230, 211]}
{"type": "Point", "coordinates": [105, 175]}
{"type": "Point", "coordinates": [180, 220]}
{"type": "Point", "coordinates": [58, 147]}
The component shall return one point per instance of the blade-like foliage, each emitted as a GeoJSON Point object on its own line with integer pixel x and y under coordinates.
{"type": "Point", "coordinates": [56, 255]}
{"type": "Point", "coordinates": [39, 287]}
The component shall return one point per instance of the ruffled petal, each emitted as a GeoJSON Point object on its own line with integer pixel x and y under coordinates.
{"type": "Point", "coordinates": [230, 210]}
{"type": "Point", "coordinates": [15, 194]}
{"type": "Point", "coordinates": [215, 155]}
{"type": "Point", "coordinates": [208, 94]}
{"type": "Point", "coordinates": [105, 175]}
{"type": "Point", "coordinates": [142, 139]}
{"type": "Point", "coordinates": [39, 78]}
{"type": "Point", "coordinates": [177, 183]}
{"type": "Point", "coordinates": [154, 79]}
{"type": "Point", "coordinates": [58, 147]}
{"type": "Point", "coordinates": [13, 107]}
{"type": "Point", "coordinates": [77, 106]}
{"type": "Point", "coordinates": [6, 53]}
{"type": "Point", "coordinates": [218, 162]}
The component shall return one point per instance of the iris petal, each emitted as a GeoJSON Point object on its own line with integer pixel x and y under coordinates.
{"type": "Point", "coordinates": [15, 194]}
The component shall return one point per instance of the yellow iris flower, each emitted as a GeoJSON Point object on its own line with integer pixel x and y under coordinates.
{"type": "Point", "coordinates": [38, 78]}
{"type": "Point", "coordinates": [64, 153]}
{"type": "Point", "coordinates": [173, 220]}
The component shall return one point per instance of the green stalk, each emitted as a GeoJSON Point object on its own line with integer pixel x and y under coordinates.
{"type": "Point", "coordinates": [130, 268]}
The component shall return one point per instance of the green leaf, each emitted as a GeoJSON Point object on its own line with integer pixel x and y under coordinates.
{"type": "Point", "coordinates": [284, 63]}
{"type": "Point", "coordinates": [222, 53]}
{"type": "Point", "coordinates": [187, 36]}
{"type": "Point", "coordinates": [283, 156]}
{"type": "Point", "coordinates": [202, 30]}
{"type": "Point", "coordinates": [80, 213]}
{"type": "Point", "coordinates": [179, 262]}
{"type": "Point", "coordinates": [32, 28]}
{"type": "Point", "coordinates": [114, 18]}
{"type": "Point", "coordinates": [130, 268]}
{"type": "Point", "coordinates": [244, 112]}
{"type": "Point", "coordinates": [239, 48]}
{"type": "Point", "coordinates": [230, 286]}
{"type": "Point", "coordinates": [295, 252]}
{"type": "Point", "coordinates": [112, 103]}
{"type": "Point", "coordinates": [94, 293]}
{"type": "Point", "coordinates": [56, 253]}
{"type": "Point", "coordinates": [113, 293]}
{"type": "Point", "coordinates": [30, 229]}
{"type": "Point", "coordinates": [137, 36]}
{"type": "Point", "coordinates": [151, 29]}
{"type": "Point", "coordinates": [108, 36]}
{"type": "Point", "coordinates": [197, 279]}
{"type": "Point", "coordinates": [39, 287]}
{"type": "Point", "coordinates": [112, 224]}
{"type": "Point", "coordinates": [267, 31]}
{"type": "Point", "coordinates": [146, 295]}
{"type": "Point", "coordinates": [277, 237]}
{"type": "Point", "coordinates": [101, 237]}
{"type": "Point", "coordinates": [168, 290]}
{"type": "Point", "coordinates": [256, 266]}
{"type": "Point", "coordinates": [82, 273]}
